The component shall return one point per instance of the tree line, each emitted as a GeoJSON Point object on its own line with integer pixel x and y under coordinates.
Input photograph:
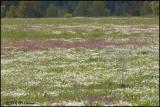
{"type": "Point", "coordinates": [78, 8]}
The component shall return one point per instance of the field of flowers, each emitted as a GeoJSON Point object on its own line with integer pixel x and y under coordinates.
{"type": "Point", "coordinates": [80, 61]}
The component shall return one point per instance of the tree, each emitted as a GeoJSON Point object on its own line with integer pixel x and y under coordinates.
{"type": "Point", "coordinates": [155, 7]}
{"type": "Point", "coordinates": [78, 8]}
{"type": "Point", "coordinates": [21, 9]}
{"type": "Point", "coordinates": [82, 8]}
{"type": "Point", "coordinates": [134, 8]}
{"type": "Point", "coordinates": [61, 12]}
{"type": "Point", "coordinates": [3, 11]}
{"type": "Point", "coordinates": [72, 5]}
{"type": "Point", "coordinates": [28, 9]}
{"type": "Point", "coordinates": [42, 7]}
{"type": "Point", "coordinates": [51, 11]}
{"type": "Point", "coordinates": [98, 8]}
{"type": "Point", "coordinates": [146, 8]}
{"type": "Point", "coordinates": [119, 8]}
{"type": "Point", "coordinates": [127, 8]}
{"type": "Point", "coordinates": [11, 12]}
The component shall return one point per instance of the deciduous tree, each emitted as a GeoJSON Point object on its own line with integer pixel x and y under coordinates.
{"type": "Point", "coordinates": [155, 7]}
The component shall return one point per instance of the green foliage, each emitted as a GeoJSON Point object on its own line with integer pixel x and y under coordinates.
{"type": "Point", "coordinates": [146, 8]}
{"type": "Point", "coordinates": [123, 8]}
{"type": "Point", "coordinates": [78, 8]}
{"type": "Point", "coordinates": [51, 11]}
{"type": "Point", "coordinates": [28, 9]}
{"type": "Point", "coordinates": [61, 12]}
{"type": "Point", "coordinates": [82, 8]}
{"type": "Point", "coordinates": [21, 9]}
{"type": "Point", "coordinates": [135, 8]}
{"type": "Point", "coordinates": [67, 15]}
{"type": "Point", "coordinates": [3, 10]}
{"type": "Point", "coordinates": [50, 76]}
{"type": "Point", "coordinates": [98, 8]}
{"type": "Point", "coordinates": [11, 12]}
{"type": "Point", "coordinates": [155, 7]}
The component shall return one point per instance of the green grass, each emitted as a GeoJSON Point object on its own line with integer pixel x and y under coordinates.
{"type": "Point", "coordinates": [77, 90]}
{"type": "Point", "coordinates": [83, 28]}
{"type": "Point", "coordinates": [50, 76]}
{"type": "Point", "coordinates": [62, 21]}
{"type": "Point", "coordinates": [42, 35]}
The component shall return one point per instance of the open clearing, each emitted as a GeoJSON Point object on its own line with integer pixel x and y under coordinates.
{"type": "Point", "coordinates": [80, 61]}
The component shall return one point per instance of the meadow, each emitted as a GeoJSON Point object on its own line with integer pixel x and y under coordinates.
{"type": "Point", "coordinates": [80, 61]}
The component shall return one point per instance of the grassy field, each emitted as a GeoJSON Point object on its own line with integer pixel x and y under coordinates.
{"type": "Point", "coordinates": [80, 61]}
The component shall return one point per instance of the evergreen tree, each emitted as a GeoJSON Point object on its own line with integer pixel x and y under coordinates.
{"type": "Point", "coordinates": [51, 11]}
{"type": "Point", "coordinates": [11, 11]}
{"type": "Point", "coordinates": [3, 11]}
{"type": "Point", "coordinates": [82, 8]}
{"type": "Point", "coordinates": [127, 8]}
{"type": "Point", "coordinates": [21, 9]}
{"type": "Point", "coordinates": [98, 8]}
{"type": "Point", "coordinates": [28, 9]}
{"type": "Point", "coordinates": [119, 8]}
{"type": "Point", "coordinates": [136, 8]}
{"type": "Point", "coordinates": [78, 8]}
{"type": "Point", "coordinates": [61, 12]}
{"type": "Point", "coordinates": [42, 7]}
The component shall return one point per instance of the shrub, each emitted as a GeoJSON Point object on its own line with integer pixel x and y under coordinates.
{"type": "Point", "coordinates": [67, 15]}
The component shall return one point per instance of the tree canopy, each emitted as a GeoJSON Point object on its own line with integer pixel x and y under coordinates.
{"type": "Point", "coordinates": [78, 8]}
